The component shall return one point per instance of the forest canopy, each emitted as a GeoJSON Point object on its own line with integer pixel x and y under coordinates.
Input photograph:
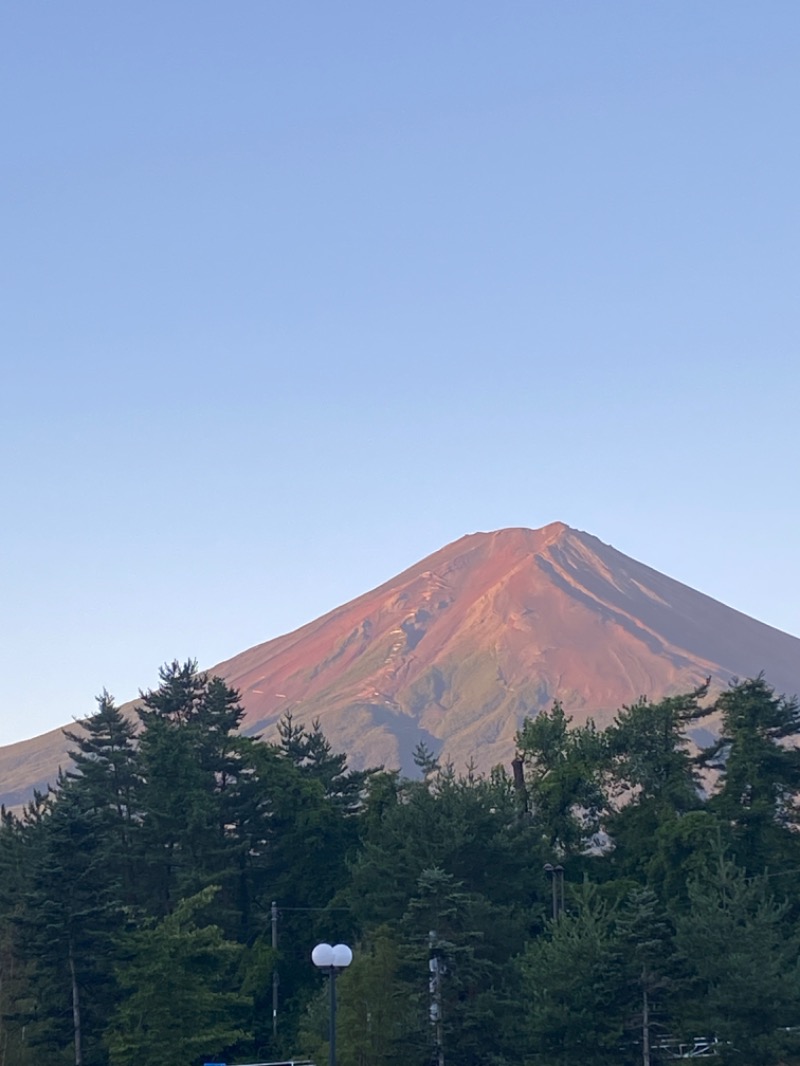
{"type": "Point", "coordinates": [611, 897]}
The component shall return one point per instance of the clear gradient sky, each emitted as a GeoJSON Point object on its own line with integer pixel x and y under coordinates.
{"type": "Point", "coordinates": [295, 293]}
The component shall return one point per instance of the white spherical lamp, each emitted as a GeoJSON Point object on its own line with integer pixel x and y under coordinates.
{"type": "Point", "coordinates": [322, 956]}
{"type": "Point", "coordinates": [342, 956]}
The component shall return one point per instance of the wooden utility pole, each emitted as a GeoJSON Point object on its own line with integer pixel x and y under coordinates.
{"type": "Point", "coordinates": [645, 1019]}
{"type": "Point", "coordinates": [437, 967]}
{"type": "Point", "coordinates": [275, 978]}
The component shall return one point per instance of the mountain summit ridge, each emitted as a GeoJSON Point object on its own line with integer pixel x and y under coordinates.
{"type": "Point", "coordinates": [458, 648]}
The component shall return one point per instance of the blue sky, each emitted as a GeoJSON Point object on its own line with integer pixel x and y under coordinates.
{"type": "Point", "coordinates": [294, 294]}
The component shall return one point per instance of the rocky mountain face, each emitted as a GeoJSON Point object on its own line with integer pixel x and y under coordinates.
{"type": "Point", "coordinates": [458, 649]}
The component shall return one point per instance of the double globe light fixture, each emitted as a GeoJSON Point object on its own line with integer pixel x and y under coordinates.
{"type": "Point", "coordinates": [332, 960]}
{"type": "Point", "coordinates": [327, 957]}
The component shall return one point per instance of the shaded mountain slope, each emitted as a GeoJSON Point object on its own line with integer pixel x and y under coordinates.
{"type": "Point", "coordinates": [457, 649]}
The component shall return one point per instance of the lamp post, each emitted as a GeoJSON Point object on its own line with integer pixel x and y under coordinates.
{"type": "Point", "coordinates": [332, 960]}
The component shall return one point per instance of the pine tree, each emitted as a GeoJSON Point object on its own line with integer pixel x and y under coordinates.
{"type": "Point", "coordinates": [646, 941]}
{"type": "Point", "coordinates": [576, 995]}
{"type": "Point", "coordinates": [193, 768]}
{"type": "Point", "coordinates": [425, 761]}
{"type": "Point", "coordinates": [562, 773]}
{"type": "Point", "coordinates": [311, 751]}
{"type": "Point", "coordinates": [456, 947]}
{"type": "Point", "coordinates": [649, 751]}
{"type": "Point", "coordinates": [105, 776]}
{"type": "Point", "coordinates": [17, 979]}
{"type": "Point", "coordinates": [298, 842]}
{"type": "Point", "coordinates": [181, 1000]}
{"type": "Point", "coordinates": [759, 768]}
{"type": "Point", "coordinates": [652, 779]}
{"type": "Point", "coordinates": [71, 912]}
{"type": "Point", "coordinates": [744, 960]}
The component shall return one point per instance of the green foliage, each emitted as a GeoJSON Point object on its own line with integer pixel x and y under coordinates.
{"type": "Point", "coordinates": [563, 773]}
{"type": "Point", "coordinates": [469, 937]}
{"type": "Point", "coordinates": [105, 777]}
{"type": "Point", "coordinates": [136, 897]}
{"type": "Point", "coordinates": [179, 981]}
{"type": "Point", "coordinates": [193, 776]}
{"type": "Point", "coordinates": [759, 771]}
{"type": "Point", "coordinates": [65, 924]}
{"type": "Point", "coordinates": [646, 940]}
{"type": "Point", "coordinates": [675, 852]}
{"type": "Point", "coordinates": [575, 989]}
{"type": "Point", "coordinates": [652, 781]}
{"type": "Point", "coordinates": [425, 760]}
{"type": "Point", "coordinates": [104, 759]}
{"type": "Point", "coordinates": [744, 962]}
{"type": "Point", "coordinates": [449, 856]}
{"type": "Point", "coordinates": [375, 1010]}
{"type": "Point", "coordinates": [648, 748]}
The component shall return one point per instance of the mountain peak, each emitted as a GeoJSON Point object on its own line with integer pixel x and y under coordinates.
{"type": "Point", "coordinates": [460, 647]}
{"type": "Point", "coordinates": [532, 538]}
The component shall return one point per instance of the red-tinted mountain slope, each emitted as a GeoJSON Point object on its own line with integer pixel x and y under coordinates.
{"type": "Point", "coordinates": [459, 648]}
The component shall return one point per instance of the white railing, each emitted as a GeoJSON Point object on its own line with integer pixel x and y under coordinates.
{"type": "Point", "coordinates": [700, 1048]}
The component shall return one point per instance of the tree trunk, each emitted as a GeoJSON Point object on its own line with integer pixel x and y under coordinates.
{"type": "Point", "coordinates": [76, 1008]}
{"type": "Point", "coordinates": [519, 783]}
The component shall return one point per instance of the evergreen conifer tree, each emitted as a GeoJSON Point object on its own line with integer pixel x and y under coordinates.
{"type": "Point", "coordinates": [576, 993]}
{"type": "Point", "coordinates": [743, 957]}
{"type": "Point", "coordinates": [181, 1002]}
{"type": "Point", "coordinates": [563, 778]}
{"type": "Point", "coordinates": [759, 768]}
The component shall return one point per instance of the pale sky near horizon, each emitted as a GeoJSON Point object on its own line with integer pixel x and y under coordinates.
{"type": "Point", "coordinates": [293, 294]}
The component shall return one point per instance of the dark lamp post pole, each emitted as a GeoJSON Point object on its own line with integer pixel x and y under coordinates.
{"type": "Point", "coordinates": [332, 960]}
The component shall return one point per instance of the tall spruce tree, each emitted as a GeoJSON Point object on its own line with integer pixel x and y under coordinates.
{"type": "Point", "coordinates": [17, 976]}
{"type": "Point", "coordinates": [576, 993]}
{"type": "Point", "coordinates": [71, 913]}
{"type": "Point", "coordinates": [180, 978]}
{"type": "Point", "coordinates": [646, 941]}
{"type": "Point", "coordinates": [456, 949]}
{"type": "Point", "coordinates": [759, 787]}
{"type": "Point", "coordinates": [743, 957]}
{"type": "Point", "coordinates": [104, 775]}
{"type": "Point", "coordinates": [191, 763]}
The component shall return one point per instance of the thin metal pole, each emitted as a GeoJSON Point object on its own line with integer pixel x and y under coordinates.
{"type": "Point", "coordinates": [549, 869]}
{"type": "Point", "coordinates": [554, 883]}
{"type": "Point", "coordinates": [645, 1020]}
{"type": "Point", "coordinates": [332, 1040]}
{"type": "Point", "coordinates": [275, 978]}
{"type": "Point", "coordinates": [562, 889]}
